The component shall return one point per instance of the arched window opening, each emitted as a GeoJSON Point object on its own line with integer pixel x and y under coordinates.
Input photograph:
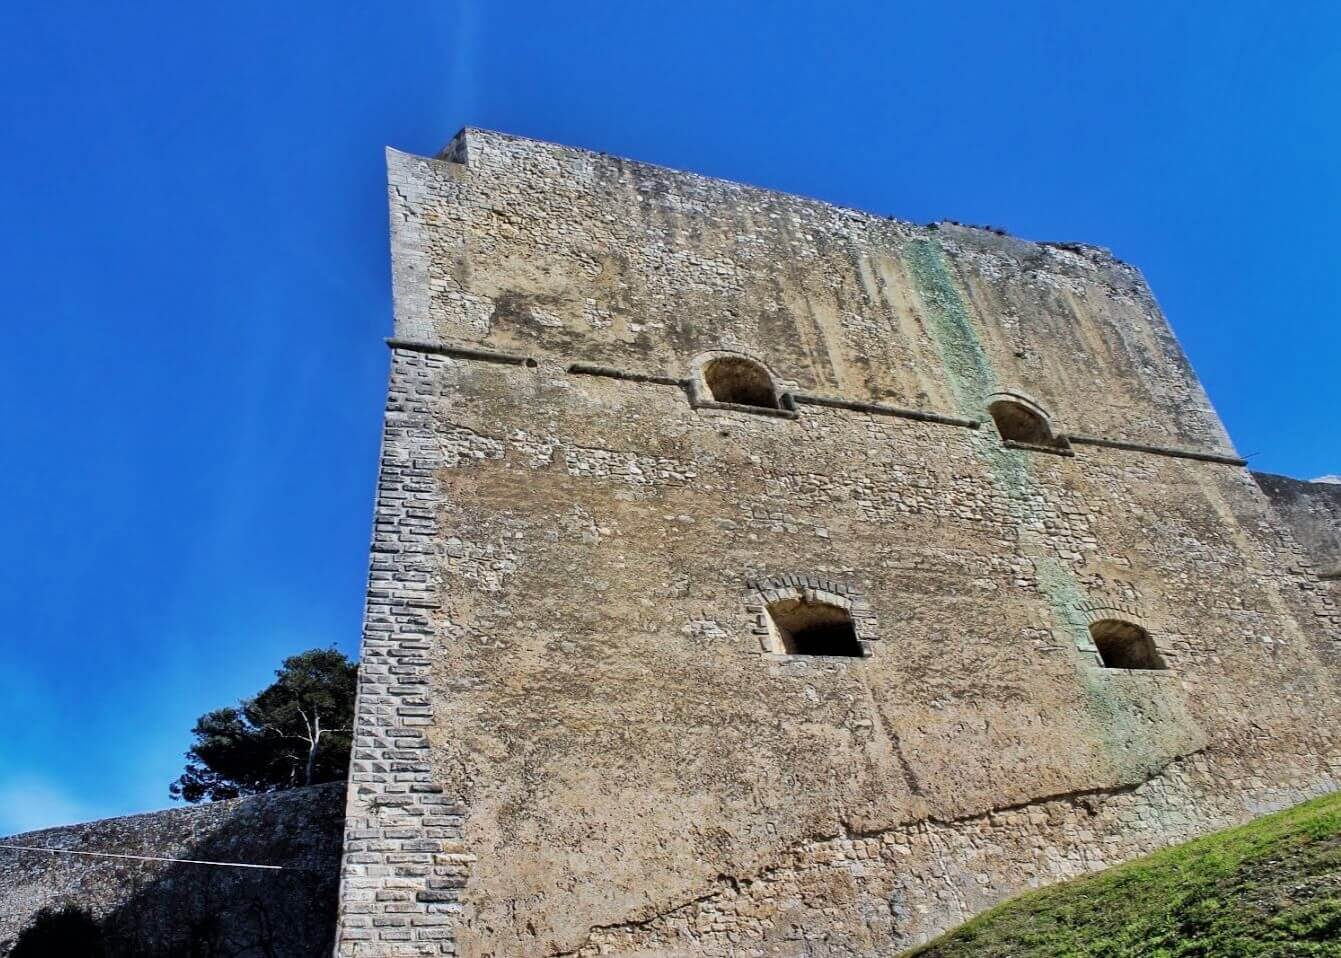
{"type": "Point", "coordinates": [814, 628]}
{"type": "Point", "coordinates": [1124, 645]}
{"type": "Point", "coordinates": [1016, 422]}
{"type": "Point", "coordinates": [735, 379]}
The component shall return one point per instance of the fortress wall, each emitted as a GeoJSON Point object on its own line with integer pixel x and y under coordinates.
{"type": "Point", "coordinates": [1312, 511]}
{"type": "Point", "coordinates": [153, 908]}
{"type": "Point", "coordinates": [573, 737]}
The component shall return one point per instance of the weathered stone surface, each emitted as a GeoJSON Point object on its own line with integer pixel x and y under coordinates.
{"type": "Point", "coordinates": [150, 908]}
{"type": "Point", "coordinates": [576, 732]}
{"type": "Point", "coordinates": [1312, 511]}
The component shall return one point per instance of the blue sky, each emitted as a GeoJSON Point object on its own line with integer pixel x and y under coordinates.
{"type": "Point", "coordinates": [195, 269]}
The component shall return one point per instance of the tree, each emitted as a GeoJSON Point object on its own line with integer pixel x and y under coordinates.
{"type": "Point", "coordinates": [295, 732]}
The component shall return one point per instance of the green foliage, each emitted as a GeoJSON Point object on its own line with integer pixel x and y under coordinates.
{"type": "Point", "coordinates": [295, 732]}
{"type": "Point", "coordinates": [1270, 889]}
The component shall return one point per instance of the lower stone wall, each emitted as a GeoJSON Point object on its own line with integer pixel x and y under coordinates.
{"type": "Point", "coordinates": [900, 887]}
{"type": "Point", "coordinates": [152, 908]}
{"type": "Point", "coordinates": [1312, 512]}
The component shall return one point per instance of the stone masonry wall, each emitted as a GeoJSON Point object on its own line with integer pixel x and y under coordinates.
{"type": "Point", "coordinates": [561, 253]}
{"type": "Point", "coordinates": [153, 908]}
{"type": "Point", "coordinates": [575, 735]}
{"type": "Point", "coordinates": [1312, 511]}
{"type": "Point", "coordinates": [403, 863]}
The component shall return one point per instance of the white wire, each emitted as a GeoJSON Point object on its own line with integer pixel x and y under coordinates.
{"type": "Point", "coordinates": [142, 858]}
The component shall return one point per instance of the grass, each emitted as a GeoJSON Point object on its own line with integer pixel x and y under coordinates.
{"type": "Point", "coordinates": [1268, 889]}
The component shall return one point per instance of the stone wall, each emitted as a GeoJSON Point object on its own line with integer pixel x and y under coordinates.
{"type": "Point", "coordinates": [576, 734]}
{"type": "Point", "coordinates": [152, 908]}
{"type": "Point", "coordinates": [1312, 511]}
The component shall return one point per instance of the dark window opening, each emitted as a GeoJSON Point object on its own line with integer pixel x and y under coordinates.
{"type": "Point", "coordinates": [814, 628]}
{"type": "Point", "coordinates": [1018, 423]}
{"type": "Point", "coordinates": [733, 379]}
{"type": "Point", "coordinates": [1123, 645]}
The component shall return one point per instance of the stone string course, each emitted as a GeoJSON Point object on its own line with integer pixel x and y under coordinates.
{"type": "Point", "coordinates": [568, 741]}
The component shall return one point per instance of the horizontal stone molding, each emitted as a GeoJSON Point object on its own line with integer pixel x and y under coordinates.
{"type": "Point", "coordinates": [741, 407]}
{"type": "Point", "coordinates": [880, 409]}
{"type": "Point", "coordinates": [1172, 453]}
{"type": "Point", "coordinates": [462, 352]}
{"type": "Point", "coordinates": [589, 369]}
{"type": "Point", "coordinates": [1057, 450]}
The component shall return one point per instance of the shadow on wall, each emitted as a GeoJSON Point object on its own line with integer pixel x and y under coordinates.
{"type": "Point", "coordinates": [188, 910]}
{"type": "Point", "coordinates": [67, 931]}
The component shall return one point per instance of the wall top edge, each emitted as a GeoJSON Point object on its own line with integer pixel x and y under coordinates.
{"type": "Point", "coordinates": [458, 150]}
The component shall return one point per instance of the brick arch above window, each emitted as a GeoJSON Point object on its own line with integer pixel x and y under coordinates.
{"type": "Point", "coordinates": [1098, 620]}
{"type": "Point", "coordinates": [786, 592]}
{"type": "Point", "coordinates": [726, 379]}
{"type": "Point", "coordinates": [1022, 422]}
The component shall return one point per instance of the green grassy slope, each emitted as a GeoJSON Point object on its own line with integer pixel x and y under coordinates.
{"type": "Point", "coordinates": [1269, 888]}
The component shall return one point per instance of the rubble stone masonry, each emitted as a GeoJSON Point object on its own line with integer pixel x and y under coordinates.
{"type": "Point", "coordinates": [580, 731]}
{"type": "Point", "coordinates": [185, 881]}
{"type": "Point", "coordinates": [1312, 511]}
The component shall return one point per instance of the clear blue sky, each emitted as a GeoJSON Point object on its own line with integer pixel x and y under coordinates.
{"type": "Point", "coordinates": [195, 270]}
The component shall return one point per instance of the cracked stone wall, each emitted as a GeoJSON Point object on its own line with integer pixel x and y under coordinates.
{"type": "Point", "coordinates": [573, 736]}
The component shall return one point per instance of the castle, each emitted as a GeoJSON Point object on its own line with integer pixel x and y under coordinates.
{"type": "Point", "coordinates": [755, 577]}
{"type": "Point", "coordinates": [752, 576]}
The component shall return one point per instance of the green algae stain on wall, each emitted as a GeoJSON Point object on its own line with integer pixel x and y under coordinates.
{"type": "Point", "coordinates": [972, 380]}
{"type": "Point", "coordinates": [965, 361]}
